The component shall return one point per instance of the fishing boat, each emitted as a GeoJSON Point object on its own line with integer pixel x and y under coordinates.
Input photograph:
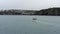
{"type": "Point", "coordinates": [34, 19]}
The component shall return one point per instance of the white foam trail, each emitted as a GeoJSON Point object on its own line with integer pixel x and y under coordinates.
{"type": "Point", "coordinates": [47, 23]}
{"type": "Point", "coordinates": [53, 23]}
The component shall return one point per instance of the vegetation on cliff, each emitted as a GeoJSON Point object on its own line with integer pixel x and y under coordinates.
{"type": "Point", "coordinates": [49, 11]}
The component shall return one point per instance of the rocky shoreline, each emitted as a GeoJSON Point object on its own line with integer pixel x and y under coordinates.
{"type": "Point", "coordinates": [46, 12]}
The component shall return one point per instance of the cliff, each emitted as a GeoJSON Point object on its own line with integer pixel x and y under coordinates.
{"type": "Point", "coordinates": [49, 11]}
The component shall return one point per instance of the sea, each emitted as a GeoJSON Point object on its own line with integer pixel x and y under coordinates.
{"type": "Point", "coordinates": [23, 24]}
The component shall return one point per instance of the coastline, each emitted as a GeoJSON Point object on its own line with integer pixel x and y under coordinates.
{"type": "Point", "coordinates": [25, 15]}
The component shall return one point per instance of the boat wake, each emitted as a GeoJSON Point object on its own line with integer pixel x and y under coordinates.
{"type": "Point", "coordinates": [45, 22]}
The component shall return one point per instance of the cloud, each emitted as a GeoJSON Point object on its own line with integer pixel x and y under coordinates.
{"type": "Point", "coordinates": [29, 4]}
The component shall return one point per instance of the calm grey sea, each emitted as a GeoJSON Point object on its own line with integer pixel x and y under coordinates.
{"type": "Point", "coordinates": [24, 25]}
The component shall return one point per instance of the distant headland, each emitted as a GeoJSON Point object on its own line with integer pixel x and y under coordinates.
{"type": "Point", "coordinates": [55, 11]}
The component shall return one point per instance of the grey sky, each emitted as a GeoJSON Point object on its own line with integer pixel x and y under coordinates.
{"type": "Point", "coordinates": [28, 4]}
